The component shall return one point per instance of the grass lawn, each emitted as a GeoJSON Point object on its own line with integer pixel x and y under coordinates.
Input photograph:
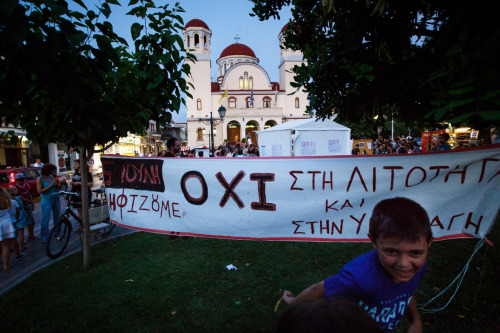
{"type": "Point", "coordinates": [148, 283]}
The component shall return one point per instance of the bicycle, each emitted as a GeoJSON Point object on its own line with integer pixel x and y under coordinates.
{"type": "Point", "coordinates": [98, 217]}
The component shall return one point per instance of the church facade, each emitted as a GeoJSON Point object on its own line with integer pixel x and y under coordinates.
{"type": "Point", "coordinates": [253, 102]}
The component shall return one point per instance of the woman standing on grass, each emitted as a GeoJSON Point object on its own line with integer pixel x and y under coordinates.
{"type": "Point", "coordinates": [48, 187]}
{"type": "Point", "coordinates": [7, 230]}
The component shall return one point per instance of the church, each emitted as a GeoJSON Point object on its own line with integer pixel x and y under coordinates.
{"type": "Point", "coordinates": [243, 88]}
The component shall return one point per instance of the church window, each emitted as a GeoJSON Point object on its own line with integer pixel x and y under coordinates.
{"type": "Point", "coordinates": [188, 41]}
{"type": "Point", "coordinates": [247, 82]}
{"type": "Point", "coordinates": [205, 41]}
{"type": "Point", "coordinates": [198, 104]}
{"type": "Point", "coordinates": [297, 103]}
{"type": "Point", "coordinates": [242, 82]}
{"type": "Point", "coordinates": [196, 40]}
{"type": "Point", "coordinates": [231, 65]}
{"type": "Point", "coordinates": [266, 102]}
{"type": "Point", "coordinates": [225, 68]}
{"type": "Point", "coordinates": [199, 133]}
{"type": "Point", "coordinates": [232, 103]}
{"type": "Point", "coordinates": [247, 103]}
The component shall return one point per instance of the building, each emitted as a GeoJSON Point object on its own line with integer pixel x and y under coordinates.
{"type": "Point", "coordinates": [253, 101]}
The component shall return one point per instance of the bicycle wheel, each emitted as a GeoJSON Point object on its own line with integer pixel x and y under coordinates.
{"type": "Point", "coordinates": [59, 238]}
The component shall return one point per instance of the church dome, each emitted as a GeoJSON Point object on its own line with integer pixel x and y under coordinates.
{"type": "Point", "coordinates": [237, 50]}
{"type": "Point", "coordinates": [196, 23]}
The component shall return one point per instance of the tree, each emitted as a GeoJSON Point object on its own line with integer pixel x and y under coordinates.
{"type": "Point", "coordinates": [433, 60]}
{"type": "Point", "coordinates": [67, 76]}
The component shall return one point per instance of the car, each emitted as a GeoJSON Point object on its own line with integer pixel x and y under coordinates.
{"type": "Point", "coordinates": [7, 179]}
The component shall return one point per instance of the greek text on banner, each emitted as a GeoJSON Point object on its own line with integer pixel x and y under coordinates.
{"type": "Point", "coordinates": [302, 199]}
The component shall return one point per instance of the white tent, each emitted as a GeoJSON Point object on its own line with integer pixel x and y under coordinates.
{"type": "Point", "coordinates": [312, 138]}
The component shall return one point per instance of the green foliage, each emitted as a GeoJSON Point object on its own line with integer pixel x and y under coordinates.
{"type": "Point", "coordinates": [433, 60]}
{"type": "Point", "coordinates": [67, 76]}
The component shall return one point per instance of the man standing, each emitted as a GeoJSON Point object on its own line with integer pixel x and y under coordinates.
{"type": "Point", "coordinates": [24, 193]}
{"type": "Point", "coordinates": [355, 151]}
{"type": "Point", "coordinates": [173, 147]}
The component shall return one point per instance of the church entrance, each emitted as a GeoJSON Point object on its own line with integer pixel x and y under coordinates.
{"type": "Point", "coordinates": [250, 131]}
{"type": "Point", "coordinates": [233, 131]}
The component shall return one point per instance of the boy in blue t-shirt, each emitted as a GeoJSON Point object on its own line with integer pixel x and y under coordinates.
{"type": "Point", "coordinates": [383, 281]}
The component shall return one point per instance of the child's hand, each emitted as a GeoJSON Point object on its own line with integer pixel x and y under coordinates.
{"type": "Point", "coordinates": [288, 297]}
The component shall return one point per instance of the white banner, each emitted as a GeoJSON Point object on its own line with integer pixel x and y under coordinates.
{"type": "Point", "coordinates": [299, 198]}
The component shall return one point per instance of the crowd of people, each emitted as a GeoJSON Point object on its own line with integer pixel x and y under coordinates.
{"type": "Point", "coordinates": [16, 209]}
{"type": "Point", "coordinates": [233, 149]}
{"type": "Point", "coordinates": [405, 146]}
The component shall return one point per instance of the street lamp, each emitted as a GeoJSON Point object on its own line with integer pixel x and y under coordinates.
{"type": "Point", "coordinates": [212, 122]}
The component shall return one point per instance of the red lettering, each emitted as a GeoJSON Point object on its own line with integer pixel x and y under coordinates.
{"type": "Point", "coordinates": [133, 202]}
{"type": "Point", "coordinates": [483, 167]}
{"type": "Point", "coordinates": [292, 173]}
{"type": "Point", "coordinates": [330, 206]}
{"type": "Point", "coordinates": [424, 175]}
{"type": "Point", "coordinates": [392, 168]}
{"type": "Point", "coordinates": [262, 178]}
{"type": "Point", "coordinates": [469, 222]}
{"type": "Point", "coordinates": [436, 222]}
{"type": "Point", "coordinates": [143, 202]}
{"type": "Point", "coordinates": [296, 231]}
{"type": "Point", "coordinates": [453, 218]}
{"type": "Point", "coordinates": [462, 172]}
{"type": "Point", "coordinates": [230, 189]}
{"type": "Point", "coordinates": [313, 177]}
{"type": "Point", "coordinates": [360, 221]}
{"type": "Point", "coordinates": [356, 170]}
{"type": "Point", "coordinates": [204, 194]}
{"type": "Point", "coordinates": [166, 207]}
{"type": "Point", "coordinates": [312, 223]}
{"type": "Point", "coordinates": [327, 181]}
{"type": "Point", "coordinates": [437, 168]}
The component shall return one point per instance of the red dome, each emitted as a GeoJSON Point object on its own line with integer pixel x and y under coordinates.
{"type": "Point", "coordinates": [195, 23]}
{"type": "Point", "coordinates": [237, 50]}
{"type": "Point", "coordinates": [284, 28]}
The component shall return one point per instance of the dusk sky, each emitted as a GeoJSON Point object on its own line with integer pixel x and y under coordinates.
{"type": "Point", "coordinates": [226, 19]}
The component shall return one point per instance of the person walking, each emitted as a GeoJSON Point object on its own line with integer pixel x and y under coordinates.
{"type": "Point", "coordinates": [48, 187]}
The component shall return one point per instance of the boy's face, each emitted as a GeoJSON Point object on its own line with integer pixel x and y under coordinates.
{"type": "Point", "coordinates": [401, 259]}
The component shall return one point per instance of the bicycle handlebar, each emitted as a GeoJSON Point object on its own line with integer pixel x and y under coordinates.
{"type": "Point", "coordinates": [71, 193]}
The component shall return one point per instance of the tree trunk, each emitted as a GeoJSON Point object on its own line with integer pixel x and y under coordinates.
{"type": "Point", "coordinates": [85, 208]}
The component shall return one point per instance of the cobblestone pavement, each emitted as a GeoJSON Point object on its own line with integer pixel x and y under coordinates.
{"type": "Point", "coordinates": [36, 257]}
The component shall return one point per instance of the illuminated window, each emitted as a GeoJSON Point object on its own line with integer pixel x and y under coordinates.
{"type": "Point", "coordinates": [199, 133]}
{"type": "Point", "coordinates": [266, 102]}
{"type": "Point", "coordinates": [297, 103]}
{"type": "Point", "coordinates": [196, 40]}
{"type": "Point", "coordinates": [241, 82]}
{"type": "Point", "coordinates": [245, 81]}
{"type": "Point", "coordinates": [231, 103]}
{"type": "Point", "coordinates": [198, 104]}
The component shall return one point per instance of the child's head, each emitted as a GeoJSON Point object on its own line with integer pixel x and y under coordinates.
{"type": "Point", "coordinates": [400, 232]}
{"type": "Point", "coordinates": [4, 198]}
{"type": "Point", "coordinates": [327, 315]}
{"type": "Point", "coordinates": [399, 218]}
